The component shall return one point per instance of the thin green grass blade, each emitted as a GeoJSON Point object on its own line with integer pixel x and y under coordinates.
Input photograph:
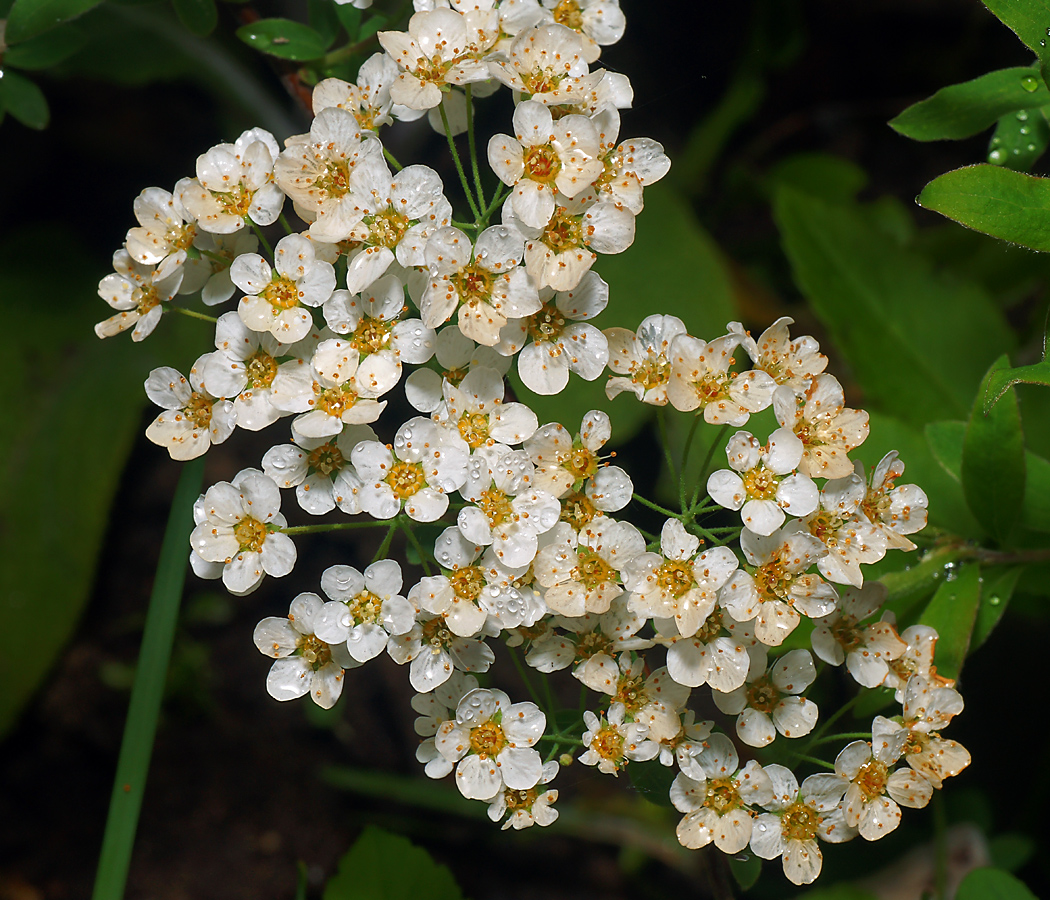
{"type": "Point", "coordinates": [141, 726]}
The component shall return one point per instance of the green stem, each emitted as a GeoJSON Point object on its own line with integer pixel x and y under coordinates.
{"type": "Point", "coordinates": [474, 154]}
{"type": "Point", "coordinates": [215, 257]}
{"type": "Point", "coordinates": [335, 526]}
{"type": "Point", "coordinates": [524, 673]}
{"type": "Point", "coordinates": [656, 507]}
{"type": "Point", "coordinates": [661, 421]}
{"type": "Point", "coordinates": [262, 240]}
{"type": "Point", "coordinates": [685, 459]}
{"type": "Point", "coordinates": [414, 541]}
{"type": "Point", "coordinates": [285, 224]}
{"type": "Point", "coordinates": [193, 314]}
{"type": "Point", "coordinates": [344, 53]}
{"type": "Point", "coordinates": [701, 479]}
{"type": "Point", "coordinates": [384, 548]}
{"type": "Point", "coordinates": [136, 747]}
{"type": "Point", "coordinates": [501, 194]}
{"type": "Point", "coordinates": [459, 164]}
{"type": "Point", "coordinates": [390, 159]}
{"type": "Point", "coordinates": [831, 720]}
{"type": "Point", "coordinates": [824, 764]}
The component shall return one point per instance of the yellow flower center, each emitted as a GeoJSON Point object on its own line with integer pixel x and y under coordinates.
{"type": "Point", "coordinates": [761, 484]}
{"type": "Point", "coordinates": [334, 401]}
{"type": "Point", "coordinates": [516, 800]}
{"type": "Point", "coordinates": [675, 577]}
{"type": "Point", "coordinates": [261, 369]}
{"type": "Point", "coordinates": [326, 459]}
{"type": "Point", "coordinates": [148, 298]}
{"type": "Point", "coordinates": [366, 608]}
{"type": "Point", "coordinates": [541, 164]}
{"type": "Point", "coordinates": [722, 796]}
{"type": "Point", "coordinates": [592, 570]}
{"type": "Point", "coordinates": [250, 534]}
{"type": "Point", "coordinates": [473, 283]}
{"type": "Point", "coordinates": [199, 410]}
{"type": "Point", "coordinates": [547, 324]}
{"type": "Point", "coordinates": [335, 182]}
{"type": "Point", "coordinates": [592, 643]}
{"type": "Point", "coordinates": [578, 510]}
{"type": "Point", "coordinates": [387, 228]}
{"type": "Point", "coordinates": [437, 635]}
{"type": "Point", "coordinates": [773, 581]}
{"type": "Point", "coordinates": [608, 744]}
{"type": "Point", "coordinates": [652, 373]}
{"type": "Point", "coordinates": [315, 651]}
{"type": "Point", "coordinates": [468, 582]}
{"type": "Point", "coordinates": [568, 13]}
{"type": "Point", "coordinates": [280, 293]}
{"type": "Point", "coordinates": [799, 822]}
{"type": "Point", "coordinates": [237, 202]}
{"type": "Point", "coordinates": [563, 232]}
{"type": "Point", "coordinates": [631, 693]}
{"type": "Point", "coordinates": [711, 628]}
{"type": "Point", "coordinates": [871, 779]}
{"type": "Point", "coordinates": [540, 81]}
{"type": "Point", "coordinates": [406, 479]}
{"type": "Point", "coordinates": [487, 740]}
{"type": "Point", "coordinates": [474, 429]}
{"type": "Point", "coordinates": [762, 695]}
{"type": "Point", "coordinates": [496, 506]}
{"type": "Point", "coordinates": [824, 526]}
{"type": "Point", "coordinates": [582, 463]}
{"type": "Point", "coordinates": [371, 336]}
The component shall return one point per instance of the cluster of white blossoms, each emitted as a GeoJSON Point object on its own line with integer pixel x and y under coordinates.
{"type": "Point", "coordinates": [533, 551]}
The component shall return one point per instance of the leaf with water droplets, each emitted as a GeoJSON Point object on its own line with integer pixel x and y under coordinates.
{"type": "Point", "coordinates": [953, 611]}
{"type": "Point", "coordinates": [28, 18]}
{"type": "Point", "coordinates": [1019, 140]}
{"type": "Point", "coordinates": [962, 110]}
{"type": "Point", "coordinates": [997, 589]}
{"type": "Point", "coordinates": [993, 462]}
{"type": "Point", "coordinates": [284, 38]}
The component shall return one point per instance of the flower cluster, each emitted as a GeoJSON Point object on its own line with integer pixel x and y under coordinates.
{"type": "Point", "coordinates": [534, 551]}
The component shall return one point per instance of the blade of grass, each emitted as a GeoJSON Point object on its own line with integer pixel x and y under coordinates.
{"type": "Point", "coordinates": [137, 744]}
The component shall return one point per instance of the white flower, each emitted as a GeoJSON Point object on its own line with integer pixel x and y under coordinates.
{"type": "Point", "coordinates": [709, 656]}
{"type": "Point", "coordinates": [628, 166]}
{"type": "Point", "coordinates": [305, 663]}
{"type": "Point", "coordinates": [700, 379]}
{"type": "Point", "coordinates": [193, 419]}
{"type": "Point", "coordinates": [718, 807]}
{"type": "Point", "coordinates": [562, 341]}
{"type": "Point", "coordinates": [547, 62]}
{"type": "Point", "coordinates": [368, 100]}
{"type": "Point", "coordinates": [320, 469]}
{"type": "Point", "coordinates": [457, 355]}
{"type": "Point", "coordinates": [656, 701]}
{"type": "Point", "coordinates": [165, 231]}
{"type": "Point", "coordinates": [642, 358]}
{"type": "Point", "coordinates": [484, 282]}
{"type": "Point", "coordinates": [240, 528]}
{"type": "Point", "coordinates": [917, 659]}
{"type": "Point", "coordinates": [611, 742]}
{"type": "Point", "coordinates": [790, 362]}
{"type": "Point", "coordinates": [434, 708]}
{"type": "Point", "coordinates": [828, 430]}
{"type": "Point", "coordinates": [544, 159]}
{"type": "Point", "coordinates": [364, 610]}
{"type": "Point", "coordinates": [599, 23]}
{"type": "Point", "coordinates": [763, 484]}
{"type": "Point", "coordinates": [868, 649]}
{"type": "Point", "coordinates": [441, 48]}
{"type": "Point", "coordinates": [275, 298]}
{"type": "Point", "coordinates": [565, 464]}
{"type": "Point", "coordinates": [433, 650]}
{"type": "Point", "coordinates": [235, 185]}
{"type": "Point", "coordinates": [492, 741]}
{"type": "Point", "coordinates": [871, 801]}
{"type": "Point", "coordinates": [779, 589]}
{"type": "Point", "coordinates": [322, 171]}
{"type": "Point", "coordinates": [894, 511]}
{"type": "Point", "coordinates": [475, 411]}
{"type": "Point", "coordinates": [798, 817]}
{"type": "Point", "coordinates": [137, 298]}
{"type": "Point", "coordinates": [677, 582]}
{"type": "Point", "coordinates": [527, 808]}
{"type": "Point", "coordinates": [770, 700]}
{"type": "Point", "coordinates": [209, 273]}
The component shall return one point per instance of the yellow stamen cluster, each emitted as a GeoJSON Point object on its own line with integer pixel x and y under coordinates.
{"type": "Point", "coordinates": [199, 410]}
{"type": "Point", "coordinates": [871, 779]}
{"type": "Point", "coordinates": [541, 164]}
{"type": "Point", "coordinates": [335, 182]}
{"type": "Point", "coordinates": [773, 581]}
{"type": "Point", "coordinates": [474, 429]}
{"type": "Point", "coordinates": [762, 695]}
{"type": "Point", "coordinates": [568, 13]}
{"type": "Point", "coordinates": [563, 232]}
{"type": "Point", "coordinates": [334, 401]}
{"type": "Point", "coordinates": [675, 577]}
{"type": "Point", "coordinates": [799, 822]}
{"type": "Point", "coordinates": [366, 608]}
{"type": "Point", "coordinates": [237, 202]}
{"type": "Point", "coordinates": [761, 484]}
{"type": "Point", "coordinates": [370, 336]}
{"type": "Point", "coordinates": [496, 506]}
{"type": "Point", "coordinates": [487, 739]}
{"type": "Point", "coordinates": [406, 479]}
{"type": "Point", "coordinates": [578, 510]}
{"type": "Point", "coordinates": [608, 744]}
{"type": "Point", "coordinates": [516, 800]}
{"type": "Point", "coordinates": [547, 324]}
{"type": "Point", "coordinates": [261, 369]}
{"type": "Point", "coordinates": [281, 293]}
{"type": "Point", "coordinates": [473, 284]}
{"type": "Point", "coordinates": [722, 796]}
{"type": "Point", "coordinates": [582, 463]}
{"type": "Point", "coordinates": [591, 644]}
{"type": "Point", "coordinates": [591, 570]}
{"type": "Point", "coordinates": [630, 691]}
{"type": "Point", "coordinates": [315, 651]}
{"type": "Point", "coordinates": [467, 583]}
{"type": "Point", "coordinates": [387, 228]}
{"type": "Point", "coordinates": [250, 534]}
{"type": "Point", "coordinates": [326, 459]}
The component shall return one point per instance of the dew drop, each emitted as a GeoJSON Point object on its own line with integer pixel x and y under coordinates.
{"type": "Point", "coordinates": [994, 601]}
{"type": "Point", "coordinates": [1031, 148]}
{"type": "Point", "coordinates": [950, 572]}
{"type": "Point", "coordinates": [995, 156]}
{"type": "Point", "coordinates": [996, 141]}
{"type": "Point", "coordinates": [1017, 151]}
{"type": "Point", "coordinates": [1022, 115]}
{"type": "Point", "coordinates": [1042, 43]}
{"type": "Point", "coordinates": [1029, 83]}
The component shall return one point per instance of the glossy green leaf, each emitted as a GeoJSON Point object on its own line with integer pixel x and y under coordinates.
{"type": "Point", "coordinates": [961, 110]}
{"type": "Point", "coordinates": [28, 18]}
{"type": "Point", "coordinates": [373, 24]}
{"type": "Point", "coordinates": [992, 884]}
{"type": "Point", "coordinates": [385, 866]}
{"type": "Point", "coordinates": [946, 443]}
{"type": "Point", "coordinates": [199, 16]}
{"type": "Point", "coordinates": [283, 38]}
{"type": "Point", "coordinates": [1019, 140]}
{"type": "Point", "coordinates": [653, 780]}
{"type": "Point", "coordinates": [1003, 379]}
{"type": "Point", "coordinates": [1035, 509]}
{"type": "Point", "coordinates": [324, 19]}
{"type": "Point", "coordinates": [885, 308]}
{"type": "Point", "coordinates": [1028, 19]}
{"type": "Point", "coordinates": [699, 293]}
{"type": "Point", "coordinates": [746, 870]}
{"type": "Point", "coordinates": [993, 462]}
{"type": "Point", "coordinates": [46, 50]}
{"type": "Point", "coordinates": [23, 99]}
{"type": "Point", "coordinates": [996, 591]}
{"type": "Point", "coordinates": [908, 588]}
{"type": "Point", "coordinates": [1008, 205]}
{"type": "Point", "coordinates": [350, 17]}
{"type": "Point", "coordinates": [953, 611]}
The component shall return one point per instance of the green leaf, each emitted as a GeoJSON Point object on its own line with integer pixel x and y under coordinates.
{"type": "Point", "coordinates": [350, 17]}
{"type": "Point", "coordinates": [953, 611]}
{"type": "Point", "coordinates": [886, 311]}
{"type": "Point", "coordinates": [1028, 19]}
{"type": "Point", "coordinates": [996, 591]}
{"type": "Point", "coordinates": [1008, 205]}
{"type": "Point", "coordinates": [1019, 140]}
{"type": "Point", "coordinates": [199, 16]}
{"type": "Point", "coordinates": [992, 884]}
{"type": "Point", "coordinates": [28, 18]}
{"type": "Point", "coordinates": [1035, 508]}
{"type": "Point", "coordinates": [653, 780]}
{"type": "Point", "coordinates": [324, 20]}
{"type": "Point", "coordinates": [23, 99]}
{"type": "Point", "coordinates": [385, 866]}
{"type": "Point", "coordinates": [1003, 379]}
{"type": "Point", "coordinates": [283, 38]}
{"type": "Point", "coordinates": [821, 175]}
{"type": "Point", "coordinates": [651, 269]}
{"type": "Point", "coordinates": [46, 50]}
{"type": "Point", "coordinates": [746, 870]}
{"type": "Point", "coordinates": [993, 462]}
{"type": "Point", "coordinates": [908, 587]}
{"type": "Point", "coordinates": [961, 110]}
{"type": "Point", "coordinates": [1011, 851]}
{"type": "Point", "coordinates": [374, 24]}
{"type": "Point", "coordinates": [946, 443]}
